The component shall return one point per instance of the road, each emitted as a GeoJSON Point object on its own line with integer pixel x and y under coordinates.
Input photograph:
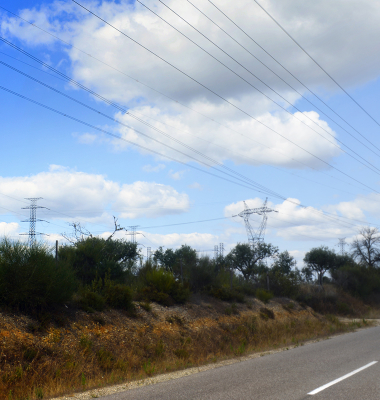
{"type": "Point", "coordinates": [287, 375]}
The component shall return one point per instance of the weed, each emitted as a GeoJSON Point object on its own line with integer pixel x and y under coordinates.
{"type": "Point", "coordinates": [182, 353]}
{"type": "Point", "coordinates": [146, 306]}
{"type": "Point", "coordinates": [85, 343]}
{"type": "Point", "coordinates": [83, 381]}
{"type": "Point", "coordinates": [98, 319]}
{"type": "Point", "coordinates": [264, 295]}
{"type": "Point", "coordinates": [232, 309]}
{"type": "Point", "coordinates": [174, 319]}
{"type": "Point", "coordinates": [29, 354]}
{"type": "Point", "coordinates": [149, 368]}
{"type": "Point", "coordinates": [39, 393]}
{"type": "Point", "coordinates": [266, 313]}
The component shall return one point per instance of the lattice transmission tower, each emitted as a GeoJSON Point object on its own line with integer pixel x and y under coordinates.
{"type": "Point", "coordinates": [342, 243]}
{"type": "Point", "coordinates": [32, 219]}
{"type": "Point", "coordinates": [258, 236]}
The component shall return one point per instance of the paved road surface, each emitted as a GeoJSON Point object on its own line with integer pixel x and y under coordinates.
{"type": "Point", "coordinates": [288, 375]}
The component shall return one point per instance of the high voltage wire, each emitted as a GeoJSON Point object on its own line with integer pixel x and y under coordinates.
{"type": "Point", "coordinates": [221, 97]}
{"type": "Point", "coordinates": [132, 115]}
{"type": "Point", "coordinates": [250, 84]}
{"type": "Point", "coordinates": [315, 61]}
{"type": "Point", "coordinates": [120, 108]}
{"type": "Point", "coordinates": [283, 80]}
{"type": "Point", "coordinates": [155, 152]}
{"type": "Point", "coordinates": [135, 144]}
{"type": "Point", "coordinates": [141, 133]}
{"type": "Point", "coordinates": [274, 59]}
{"type": "Point", "coordinates": [161, 93]}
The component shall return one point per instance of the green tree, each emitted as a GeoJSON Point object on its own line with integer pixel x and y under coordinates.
{"type": "Point", "coordinates": [30, 277]}
{"type": "Point", "coordinates": [284, 263]}
{"type": "Point", "coordinates": [249, 260]}
{"type": "Point", "coordinates": [320, 260]}
{"type": "Point", "coordinates": [94, 257]}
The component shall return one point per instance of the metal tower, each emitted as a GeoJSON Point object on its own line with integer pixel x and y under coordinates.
{"type": "Point", "coordinates": [258, 236]}
{"type": "Point", "coordinates": [221, 249]}
{"type": "Point", "coordinates": [32, 220]}
{"type": "Point", "coordinates": [133, 233]}
{"type": "Point", "coordinates": [216, 251]}
{"type": "Point", "coordinates": [342, 243]}
{"type": "Point", "coordinates": [148, 253]}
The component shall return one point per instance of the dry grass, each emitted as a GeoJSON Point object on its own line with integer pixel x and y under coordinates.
{"type": "Point", "coordinates": [97, 350]}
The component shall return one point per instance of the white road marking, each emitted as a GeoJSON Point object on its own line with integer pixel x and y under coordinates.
{"type": "Point", "coordinates": [341, 378]}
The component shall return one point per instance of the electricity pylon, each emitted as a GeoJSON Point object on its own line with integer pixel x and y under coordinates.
{"type": "Point", "coordinates": [33, 219]}
{"type": "Point", "coordinates": [342, 243]}
{"type": "Point", "coordinates": [258, 236]}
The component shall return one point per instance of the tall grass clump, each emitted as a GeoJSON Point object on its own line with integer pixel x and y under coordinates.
{"type": "Point", "coordinates": [30, 277]}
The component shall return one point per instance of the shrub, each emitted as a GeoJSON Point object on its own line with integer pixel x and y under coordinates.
{"type": "Point", "coordinates": [89, 300]}
{"type": "Point", "coordinates": [266, 313]}
{"type": "Point", "coordinates": [264, 295]}
{"type": "Point", "coordinates": [95, 257]}
{"type": "Point", "coordinates": [161, 286]}
{"type": "Point", "coordinates": [226, 294]}
{"type": "Point", "coordinates": [118, 296]}
{"type": "Point", "coordinates": [30, 278]}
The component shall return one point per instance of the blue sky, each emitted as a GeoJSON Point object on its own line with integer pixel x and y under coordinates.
{"type": "Point", "coordinates": [304, 156]}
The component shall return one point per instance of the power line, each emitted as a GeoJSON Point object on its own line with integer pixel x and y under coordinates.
{"type": "Point", "coordinates": [221, 97]}
{"type": "Point", "coordinates": [145, 148]}
{"type": "Point", "coordinates": [290, 73]}
{"type": "Point", "coordinates": [260, 91]}
{"type": "Point", "coordinates": [115, 105]}
{"type": "Point", "coordinates": [161, 93]}
{"type": "Point", "coordinates": [164, 144]}
{"type": "Point", "coordinates": [315, 61]}
{"type": "Point", "coordinates": [283, 80]}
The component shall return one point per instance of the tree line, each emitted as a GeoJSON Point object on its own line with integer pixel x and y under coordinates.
{"type": "Point", "coordinates": [93, 273]}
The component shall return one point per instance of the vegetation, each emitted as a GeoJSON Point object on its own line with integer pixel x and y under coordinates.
{"type": "Point", "coordinates": [71, 338]}
{"type": "Point", "coordinates": [94, 274]}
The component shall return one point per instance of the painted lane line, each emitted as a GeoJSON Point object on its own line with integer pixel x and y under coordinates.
{"type": "Point", "coordinates": [341, 378]}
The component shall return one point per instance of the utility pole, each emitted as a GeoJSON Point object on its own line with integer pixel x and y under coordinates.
{"type": "Point", "coordinates": [32, 219]}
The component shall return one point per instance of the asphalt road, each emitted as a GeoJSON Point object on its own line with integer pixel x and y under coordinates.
{"type": "Point", "coordinates": [288, 375]}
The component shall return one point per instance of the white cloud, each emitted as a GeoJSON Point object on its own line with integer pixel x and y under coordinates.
{"type": "Point", "coordinates": [156, 168]}
{"type": "Point", "coordinates": [9, 229]}
{"type": "Point", "coordinates": [293, 222]}
{"type": "Point", "coordinates": [176, 175]}
{"type": "Point", "coordinates": [328, 29]}
{"type": "Point", "coordinates": [196, 186]}
{"type": "Point", "coordinates": [83, 195]}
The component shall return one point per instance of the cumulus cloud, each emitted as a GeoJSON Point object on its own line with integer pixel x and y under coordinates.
{"type": "Point", "coordinates": [328, 29]}
{"type": "Point", "coordinates": [293, 222]}
{"type": "Point", "coordinates": [84, 195]}
{"type": "Point", "coordinates": [9, 229]}
{"type": "Point", "coordinates": [156, 168]}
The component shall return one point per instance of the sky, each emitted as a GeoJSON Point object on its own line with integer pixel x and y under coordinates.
{"type": "Point", "coordinates": [168, 115]}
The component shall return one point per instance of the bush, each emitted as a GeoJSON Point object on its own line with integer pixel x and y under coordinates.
{"type": "Point", "coordinates": [266, 313]}
{"type": "Point", "coordinates": [283, 285]}
{"type": "Point", "coordinates": [118, 296]}
{"type": "Point", "coordinates": [89, 300]}
{"type": "Point", "coordinates": [30, 278]}
{"type": "Point", "coordinates": [264, 295]}
{"type": "Point", "coordinates": [95, 257]}
{"type": "Point", "coordinates": [161, 287]}
{"type": "Point", "coordinates": [226, 294]}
